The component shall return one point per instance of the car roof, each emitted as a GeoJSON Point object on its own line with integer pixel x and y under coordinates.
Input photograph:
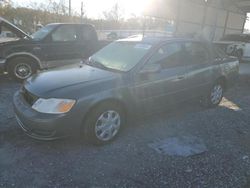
{"type": "Point", "coordinates": [154, 40]}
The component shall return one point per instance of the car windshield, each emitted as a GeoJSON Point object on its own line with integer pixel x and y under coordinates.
{"type": "Point", "coordinates": [121, 55]}
{"type": "Point", "coordinates": [43, 32]}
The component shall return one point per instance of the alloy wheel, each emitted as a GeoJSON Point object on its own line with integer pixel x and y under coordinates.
{"type": "Point", "coordinates": [22, 70]}
{"type": "Point", "coordinates": [216, 94]}
{"type": "Point", "coordinates": [107, 125]}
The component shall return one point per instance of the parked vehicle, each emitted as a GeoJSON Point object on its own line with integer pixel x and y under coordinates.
{"type": "Point", "coordinates": [127, 77]}
{"type": "Point", "coordinates": [237, 45]}
{"type": "Point", "coordinates": [52, 46]}
{"type": "Point", "coordinates": [112, 36]}
{"type": "Point", "coordinates": [7, 34]}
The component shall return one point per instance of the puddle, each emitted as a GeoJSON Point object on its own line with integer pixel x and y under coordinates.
{"type": "Point", "coordinates": [179, 146]}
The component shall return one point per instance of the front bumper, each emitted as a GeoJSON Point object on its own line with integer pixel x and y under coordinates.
{"type": "Point", "coordinates": [2, 65]}
{"type": "Point", "coordinates": [43, 126]}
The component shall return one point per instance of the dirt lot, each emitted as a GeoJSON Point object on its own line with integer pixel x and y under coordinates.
{"type": "Point", "coordinates": [129, 161]}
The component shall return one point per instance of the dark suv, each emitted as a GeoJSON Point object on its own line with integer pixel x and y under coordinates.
{"type": "Point", "coordinates": [135, 75]}
{"type": "Point", "coordinates": [54, 45]}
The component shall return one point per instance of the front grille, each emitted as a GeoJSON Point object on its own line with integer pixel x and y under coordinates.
{"type": "Point", "coordinates": [29, 97]}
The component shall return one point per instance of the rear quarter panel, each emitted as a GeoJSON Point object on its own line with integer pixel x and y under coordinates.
{"type": "Point", "coordinates": [230, 70]}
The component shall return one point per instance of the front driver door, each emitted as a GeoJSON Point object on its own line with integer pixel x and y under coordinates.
{"type": "Point", "coordinates": [200, 68]}
{"type": "Point", "coordinates": [159, 88]}
{"type": "Point", "coordinates": [63, 46]}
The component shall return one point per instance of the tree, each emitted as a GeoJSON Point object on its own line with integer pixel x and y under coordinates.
{"type": "Point", "coordinates": [115, 14]}
{"type": "Point", "coordinates": [4, 3]}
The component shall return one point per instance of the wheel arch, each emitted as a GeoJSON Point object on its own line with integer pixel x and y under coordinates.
{"type": "Point", "coordinates": [117, 101]}
{"type": "Point", "coordinates": [27, 55]}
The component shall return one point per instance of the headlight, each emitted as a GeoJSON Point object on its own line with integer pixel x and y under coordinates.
{"type": "Point", "coordinates": [53, 105]}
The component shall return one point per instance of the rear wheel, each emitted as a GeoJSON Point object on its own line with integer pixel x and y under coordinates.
{"type": "Point", "coordinates": [21, 68]}
{"type": "Point", "coordinates": [215, 95]}
{"type": "Point", "coordinates": [104, 123]}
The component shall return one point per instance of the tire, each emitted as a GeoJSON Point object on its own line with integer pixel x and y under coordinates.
{"type": "Point", "coordinates": [103, 123]}
{"type": "Point", "coordinates": [215, 95]}
{"type": "Point", "coordinates": [21, 68]}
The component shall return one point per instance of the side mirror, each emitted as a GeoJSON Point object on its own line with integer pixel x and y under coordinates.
{"type": "Point", "coordinates": [151, 68]}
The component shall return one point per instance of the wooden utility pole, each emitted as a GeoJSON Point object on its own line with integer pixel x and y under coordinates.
{"type": "Point", "coordinates": [82, 13]}
{"type": "Point", "coordinates": [69, 7]}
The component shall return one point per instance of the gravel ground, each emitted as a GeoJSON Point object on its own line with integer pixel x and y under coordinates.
{"type": "Point", "coordinates": [129, 161]}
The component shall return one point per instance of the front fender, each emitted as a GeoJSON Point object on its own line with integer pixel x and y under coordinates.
{"type": "Point", "coordinates": [25, 54]}
{"type": "Point", "coordinates": [122, 96]}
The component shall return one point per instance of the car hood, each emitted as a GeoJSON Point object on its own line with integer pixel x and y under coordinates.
{"type": "Point", "coordinates": [20, 33]}
{"type": "Point", "coordinates": [69, 81]}
{"type": "Point", "coordinates": [15, 41]}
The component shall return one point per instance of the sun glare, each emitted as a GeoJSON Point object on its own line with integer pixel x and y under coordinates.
{"type": "Point", "coordinates": [135, 7]}
{"type": "Point", "coordinates": [128, 8]}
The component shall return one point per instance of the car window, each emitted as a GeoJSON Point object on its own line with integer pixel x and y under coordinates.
{"type": "Point", "coordinates": [88, 34]}
{"type": "Point", "coordinates": [64, 33]}
{"type": "Point", "coordinates": [43, 32]}
{"type": "Point", "coordinates": [196, 53]}
{"type": "Point", "coordinates": [169, 55]}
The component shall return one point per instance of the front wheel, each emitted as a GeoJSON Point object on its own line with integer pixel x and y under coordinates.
{"type": "Point", "coordinates": [215, 95]}
{"type": "Point", "coordinates": [21, 68]}
{"type": "Point", "coordinates": [104, 123]}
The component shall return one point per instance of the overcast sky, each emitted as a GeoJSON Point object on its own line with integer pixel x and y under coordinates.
{"type": "Point", "coordinates": [95, 8]}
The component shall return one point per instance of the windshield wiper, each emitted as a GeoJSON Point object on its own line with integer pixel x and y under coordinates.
{"type": "Point", "coordinates": [96, 64]}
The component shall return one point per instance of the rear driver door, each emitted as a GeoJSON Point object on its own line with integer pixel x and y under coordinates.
{"type": "Point", "coordinates": [199, 68]}
{"type": "Point", "coordinates": [157, 89]}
